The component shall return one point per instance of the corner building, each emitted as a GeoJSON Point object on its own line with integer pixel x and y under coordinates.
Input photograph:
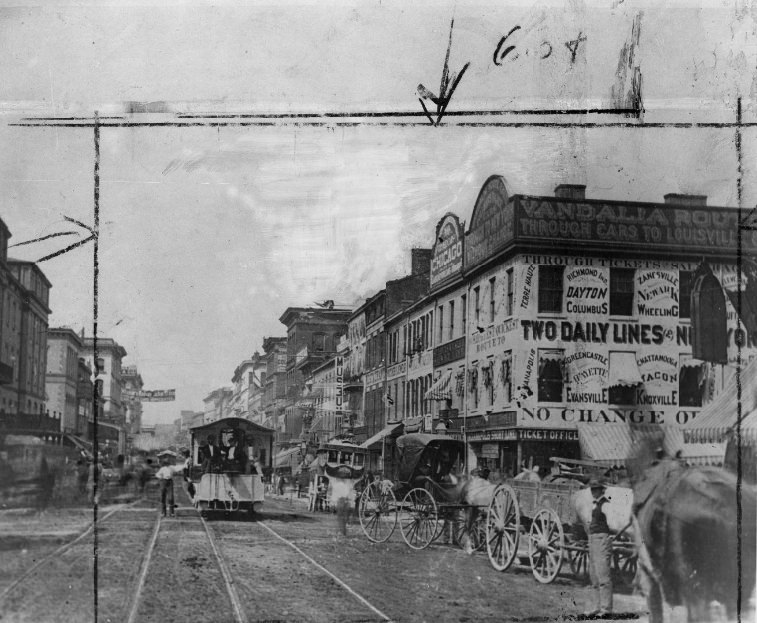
{"type": "Point", "coordinates": [572, 318]}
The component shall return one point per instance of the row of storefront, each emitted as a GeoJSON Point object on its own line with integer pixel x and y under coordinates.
{"type": "Point", "coordinates": [564, 326]}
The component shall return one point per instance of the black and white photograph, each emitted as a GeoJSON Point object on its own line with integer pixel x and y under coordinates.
{"type": "Point", "coordinates": [372, 310]}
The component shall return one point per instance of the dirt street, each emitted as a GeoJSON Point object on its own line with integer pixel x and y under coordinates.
{"type": "Point", "coordinates": [288, 565]}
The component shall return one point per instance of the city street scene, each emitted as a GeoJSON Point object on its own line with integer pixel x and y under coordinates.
{"type": "Point", "coordinates": [372, 311]}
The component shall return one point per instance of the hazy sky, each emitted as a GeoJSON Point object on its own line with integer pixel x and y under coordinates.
{"type": "Point", "coordinates": [209, 234]}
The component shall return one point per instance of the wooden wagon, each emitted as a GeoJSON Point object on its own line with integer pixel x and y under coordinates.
{"type": "Point", "coordinates": [544, 513]}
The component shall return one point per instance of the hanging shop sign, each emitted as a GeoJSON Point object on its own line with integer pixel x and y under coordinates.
{"type": "Point", "coordinates": [155, 395]}
{"type": "Point", "coordinates": [447, 252]}
{"type": "Point", "coordinates": [339, 382]}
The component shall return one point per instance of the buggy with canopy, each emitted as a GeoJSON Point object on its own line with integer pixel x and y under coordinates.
{"type": "Point", "coordinates": [429, 490]}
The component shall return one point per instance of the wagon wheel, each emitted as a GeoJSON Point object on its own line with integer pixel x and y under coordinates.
{"type": "Point", "coordinates": [420, 519]}
{"type": "Point", "coordinates": [377, 512]}
{"type": "Point", "coordinates": [545, 545]}
{"type": "Point", "coordinates": [578, 556]}
{"type": "Point", "coordinates": [502, 527]}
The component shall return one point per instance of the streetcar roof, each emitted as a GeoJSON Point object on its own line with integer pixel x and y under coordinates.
{"type": "Point", "coordinates": [231, 422]}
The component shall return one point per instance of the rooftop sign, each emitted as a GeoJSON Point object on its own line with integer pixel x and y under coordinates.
{"type": "Point", "coordinates": [499, 221]}
{"type": "Point", "coordinates": [447, 253]}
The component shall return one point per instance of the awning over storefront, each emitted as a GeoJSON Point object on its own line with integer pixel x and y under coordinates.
{"type": "Point", "coordinates": [79, 443]}
{"type": "Point", "coordinates": [717, 418]}
{"type": "Point", "coordinates": [613, 445]}
{"type": "Point", "coordinates": [442, 389]}
{"type": "Point", "coordinates": [381, 435]}
{"type": "Point", "coordinates": [286, 458]}
{"type": "Point", "coordinates": [624, 371]}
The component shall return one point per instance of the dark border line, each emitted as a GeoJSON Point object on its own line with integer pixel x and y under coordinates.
{"type": "Point", "coordinates": [503, 124]}
{"type": "Point", "coordinates": [414, 113]}
{"type": "Point", "coordinates": [96, 354]}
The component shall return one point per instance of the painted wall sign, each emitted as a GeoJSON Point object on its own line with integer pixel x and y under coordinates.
{"type": "Point", "coordinates": [492, 223]}
{"type": "Point", "coordinates": [597, 332]}
{"type": "Point", "coordinates": [662, 226]}
{"type": "Point", "coordinates": [586, 290]}
{"type": "Point", "coordinates": [449, 352]}
{"type": "Point", "coordinates": [398, 369]}
{"type": "Point", "coordinates": [657, 293]}
{"type": "Point", "coordinates": [374, 377]}
{"type": "Point", "coordinates": [493, 337]}
{"type": "Point", "coordinates": [447, 252]}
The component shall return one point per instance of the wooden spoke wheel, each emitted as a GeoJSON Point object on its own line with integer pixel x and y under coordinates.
{"type": "Point", "coordinates": [377, 512]}
{"type": "Point", "coordinates": [419, 520]}
{"type": "Point", "coordinates": [502, 530]}
{"type": "Point", "coordinates": [624, 558]}
{"type": "Point", "coordinates": [578, 556]}
{"type": "Point", "coordinates": [545, 545]}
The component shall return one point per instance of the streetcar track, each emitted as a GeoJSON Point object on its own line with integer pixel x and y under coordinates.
{"type": "Point", "coordinates": [150, 555]}
{"type": "Point", "coordinates": [319, 566]}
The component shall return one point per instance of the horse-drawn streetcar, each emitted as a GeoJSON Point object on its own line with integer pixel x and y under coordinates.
{"type": "Point", "coordinates": [227, 458]}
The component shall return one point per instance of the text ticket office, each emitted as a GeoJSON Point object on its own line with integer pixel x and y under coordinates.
{"type": "Point", "coordinates": [508, 449]}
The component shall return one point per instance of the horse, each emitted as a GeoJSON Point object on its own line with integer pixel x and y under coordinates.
{"type": "Point", "coordinates": [685, 524]}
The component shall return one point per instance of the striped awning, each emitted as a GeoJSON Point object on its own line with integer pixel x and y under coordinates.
{"type": "Point", "coordinates": [624, 371]}
{"type": "Point", "coordinates": [613, 445]}
{"type": "Point", "coordinates": [442, 389]}
{"type": "Point", "coordinates": [286, 458]}
{"type": "Point", "coordinates": [713, 423]}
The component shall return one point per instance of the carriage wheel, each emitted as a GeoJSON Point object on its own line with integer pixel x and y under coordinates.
{"type": "Point", "coordinates": [578, 556]}
{"type": "Point", "coordinates": [545, 545]}
{"type": "Point", "coordinates": [420, 519]}
{"type": "Point", "coordinates": [624, 559]}
{"type": "Point", "coordinates": [502, 527]}
{"type": "Point", "coordinates": [377, 512]}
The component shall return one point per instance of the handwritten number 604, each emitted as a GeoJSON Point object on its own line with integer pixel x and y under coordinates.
{"type": "Point", "coordinates": [502, 50]}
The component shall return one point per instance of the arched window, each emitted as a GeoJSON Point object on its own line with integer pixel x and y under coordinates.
{"type": "Point", "coordinates": [709, 325]}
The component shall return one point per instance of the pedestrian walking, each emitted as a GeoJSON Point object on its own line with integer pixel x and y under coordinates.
{"type": "Point", "coordinates": [187, 470]}
{"type": "Point", "coordinates": [600, 551]}
{"type": "Point", "coordinates": [165, 478]}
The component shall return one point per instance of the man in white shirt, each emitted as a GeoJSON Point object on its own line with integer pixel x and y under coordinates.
{"type": "Point", "coordinates": [165, 478]}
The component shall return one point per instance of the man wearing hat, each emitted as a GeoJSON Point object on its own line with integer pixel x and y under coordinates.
{"type": "Point", "coordinates": [600, 550]}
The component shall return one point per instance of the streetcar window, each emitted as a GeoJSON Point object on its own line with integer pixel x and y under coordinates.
{"type": "Point", "coordinates": [346, 458]}
{"type": "Point", "coordinates": [359, 460]}
{"type": "Point", "coordinates": [333, 456]}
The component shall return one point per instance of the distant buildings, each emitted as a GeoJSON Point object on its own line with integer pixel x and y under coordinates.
{"type": "Point", "coordinates": [64, 350]}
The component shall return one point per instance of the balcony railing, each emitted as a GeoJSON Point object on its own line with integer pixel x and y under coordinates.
{"type": "Point", "coordinates": [29, 422]}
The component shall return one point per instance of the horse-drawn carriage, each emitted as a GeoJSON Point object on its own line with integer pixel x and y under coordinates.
{"type": "Point", "coordinates": [425, 497]}
{"type": "Point", "coordinates": [230, 475]}
{"type": "Point", "coordinates": [552, 515]}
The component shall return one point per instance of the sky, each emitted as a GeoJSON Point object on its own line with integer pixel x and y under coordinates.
{"type": "Point", "coordinates": [209, 234]}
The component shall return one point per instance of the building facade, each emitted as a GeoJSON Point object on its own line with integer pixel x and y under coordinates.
{"type": "Point", "coordinates": [112, 426]}
{"type": "Point", "coordinates": [312, 336]}
{"type": "Point", "coordinates": [274, 385]}
{"type": "Point", "coordinates": [132, 385]}
{"type": "Point", "coordinates": [64, 348]}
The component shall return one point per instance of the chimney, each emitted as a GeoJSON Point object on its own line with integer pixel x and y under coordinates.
{"type": "Point", "coordinates": [420, 262]}
{"type": "Point", "coordinates": [689, 201]}
{"type": "Point", "coordinates": [570, 191]}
